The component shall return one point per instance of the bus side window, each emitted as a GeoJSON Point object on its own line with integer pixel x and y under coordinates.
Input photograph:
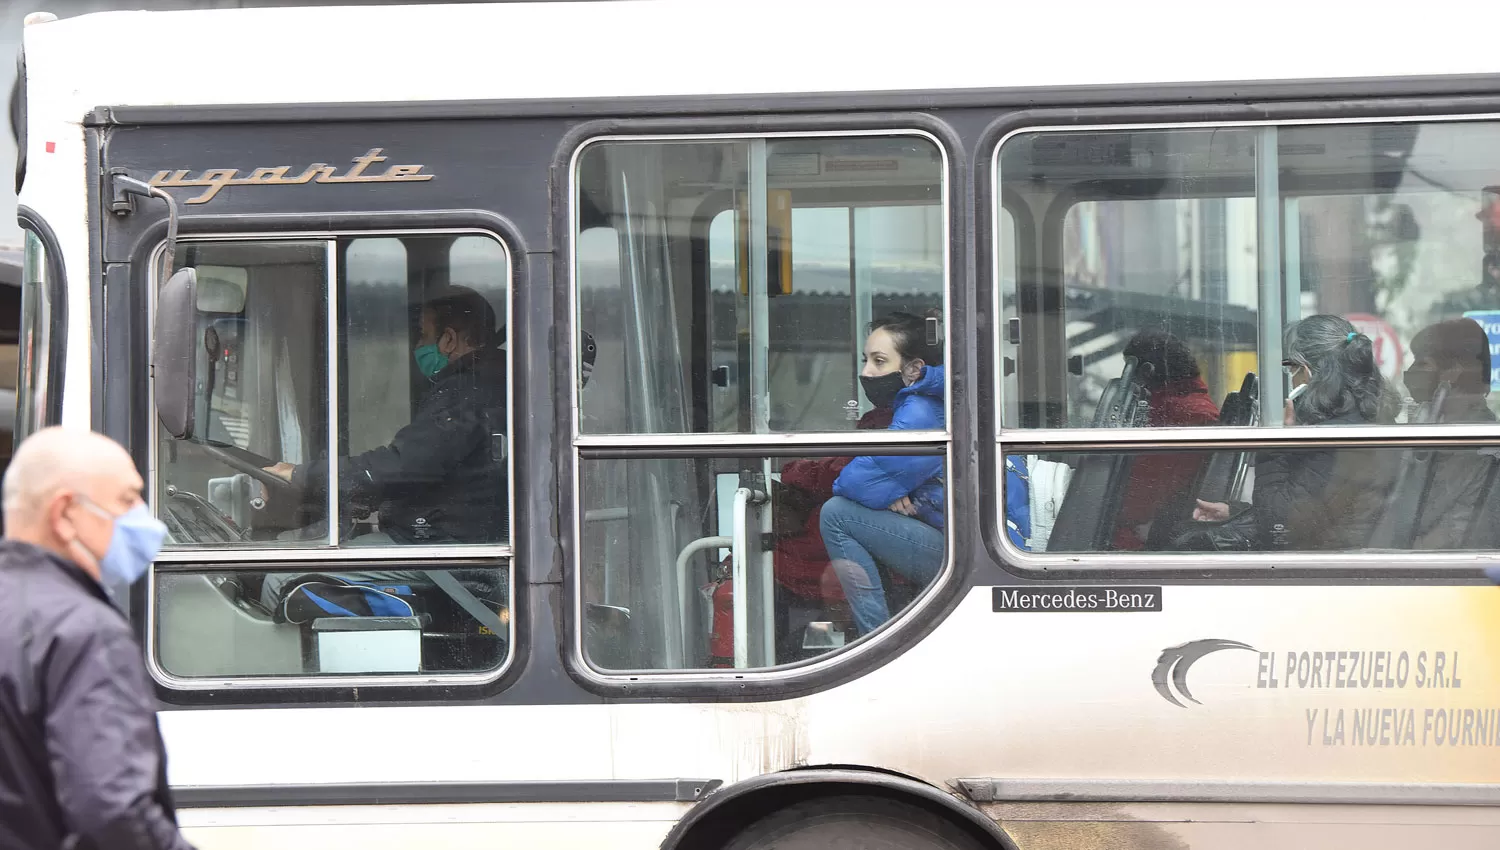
{"type": "Point", "coordinates": [730, 286]}
{"type": "Point", "coordinates": [397, 425]}
{"type": "Point", "coordinates": [1365, 319]}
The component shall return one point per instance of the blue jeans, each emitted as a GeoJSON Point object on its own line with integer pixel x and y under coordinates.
{"type": "Point", "coordinates": [857, 537]}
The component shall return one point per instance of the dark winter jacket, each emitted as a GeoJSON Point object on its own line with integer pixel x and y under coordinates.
{"type": "Point", "coordinates": [443, 477]}
{"type": "Point", "coordinates": [877, 481]}
{"type": "Point", "coordinates": [1321, 499]}
{"type": "Point", "coordinates": [81, 758]}
{"type": "Point", "coordinates": [1450, 503]}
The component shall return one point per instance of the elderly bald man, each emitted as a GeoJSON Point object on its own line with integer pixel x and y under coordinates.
{"type": "Point", "coordinates": [81, 759]}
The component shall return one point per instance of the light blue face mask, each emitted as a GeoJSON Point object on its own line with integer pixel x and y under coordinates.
{"type": "Point", "coordinates": [136, 540]}
{"type": "Point", "coordinates": [430, 361]}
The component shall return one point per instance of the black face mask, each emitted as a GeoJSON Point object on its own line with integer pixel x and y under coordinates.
{"type": "Point", "coordinates": [1421, 383]}
{"type": "Point", "coordinates": [881, 390]}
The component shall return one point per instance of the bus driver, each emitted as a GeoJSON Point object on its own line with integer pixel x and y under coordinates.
{"type": "Point", "coordinates": [442, 478]}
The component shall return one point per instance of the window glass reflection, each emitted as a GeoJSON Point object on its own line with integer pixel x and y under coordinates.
{"type": "Point", "coordinates": [716, 311]}
{"type": "Point", "coordinates": [1332, 499]}
{"type": "Point", "coordinates": [1389, 227]}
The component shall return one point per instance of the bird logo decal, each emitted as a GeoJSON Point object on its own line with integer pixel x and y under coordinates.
{"type": "Point", "coordinates": [1170, 675]}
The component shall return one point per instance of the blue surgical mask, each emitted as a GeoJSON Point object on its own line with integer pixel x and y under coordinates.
{"type": "Point", "coordinates": [136, 540]}
{"type": "Point", "coordinates": [430, 361]}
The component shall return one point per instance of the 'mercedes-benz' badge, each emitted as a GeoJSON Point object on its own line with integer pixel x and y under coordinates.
{"type": "Point", "coordinates": [215, 180]}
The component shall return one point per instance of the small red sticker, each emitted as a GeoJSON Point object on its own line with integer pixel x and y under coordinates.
{"type": "Point", "coordinates": [52, 147]}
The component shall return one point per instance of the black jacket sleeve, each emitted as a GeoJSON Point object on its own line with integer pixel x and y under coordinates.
{"type": "Point", "coordinates": [442, 435]}
{"type": "Point", "coordinates": [445, 431]}
{"type": "Point", "coordinates": [104, 746]}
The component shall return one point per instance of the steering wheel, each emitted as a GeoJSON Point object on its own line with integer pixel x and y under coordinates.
{"type": "Point", "coordinates": [247, 462]}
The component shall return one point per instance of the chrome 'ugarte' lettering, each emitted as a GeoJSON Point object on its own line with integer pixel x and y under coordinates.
{"type": "Point", "coordinates": [214, 180]}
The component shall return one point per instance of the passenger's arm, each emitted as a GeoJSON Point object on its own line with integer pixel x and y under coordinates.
{"type": "Point", "coordinates": [816, 475]}
{"type": "Point", "coordinates": [877, 482]}
{"type": "Point", "coordinates": [103, 745]}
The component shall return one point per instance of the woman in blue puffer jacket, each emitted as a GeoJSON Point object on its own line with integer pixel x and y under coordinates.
{"type": "Point", "coordinates": [888, 510]}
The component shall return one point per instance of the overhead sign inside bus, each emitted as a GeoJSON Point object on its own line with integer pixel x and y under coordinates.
{"type": "Point", "coordinates": [214, 180]}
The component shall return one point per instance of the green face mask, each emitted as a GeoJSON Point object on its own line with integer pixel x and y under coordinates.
{"type": "Point", "coordinates": [429, 360]}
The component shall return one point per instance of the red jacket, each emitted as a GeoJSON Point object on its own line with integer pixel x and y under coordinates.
{"type": "Point", "coordinates": [1157, 478]}
{"type": "Point", "coordinates": [801, 560]}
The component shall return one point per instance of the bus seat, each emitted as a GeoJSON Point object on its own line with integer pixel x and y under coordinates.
{"type": "Point", "coordinates": [1086, 520]}
{"type": "Point", "coordinates": [210, 635]}
{"type": "Point", "coordinates": [1397, 527]}
{"type": "Point", "coordinates": [1223, 476]}
{"type": "Point", "coordinates": [1484, 528]}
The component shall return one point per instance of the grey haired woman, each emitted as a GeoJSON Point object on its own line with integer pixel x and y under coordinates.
{"type": "Point", "coordinates": [1322, 499]}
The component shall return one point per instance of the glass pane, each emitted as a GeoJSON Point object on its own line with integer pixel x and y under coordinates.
{"type": "Point", "coordinates": [1393, 227]}
{"type": "Point", "coordinates": [365, 620]}
{"type": "Point", "coordinates": [833, 547]}
{"type": "Point", "coordinates": [36, 334]}
{"type": "Point", "coordinates": [1160, 232]}
{"type": "Point", "coordinates": [423, 394]}
{"type": "Point", "coordinates": [262, 396]}
{"type": "Point", "coordinates": [1152, 257]}
{"type": "Point", "coordinates": [1347, 499]}
{"type": "Point", "coordinates": [716, 311]}
{"type": "Point", "coordinates": [377, 345]}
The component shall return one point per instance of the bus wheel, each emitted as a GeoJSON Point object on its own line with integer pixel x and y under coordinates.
{"type": "Point", "coordinates": [862, 823]}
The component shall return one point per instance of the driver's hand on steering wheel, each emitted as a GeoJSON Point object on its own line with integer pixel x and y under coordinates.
{"type": "Point", "coordinates": [282, 470]}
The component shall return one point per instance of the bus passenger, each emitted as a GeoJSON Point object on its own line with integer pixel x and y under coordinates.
{"type": "Point", "coordinates": [1322, 499]}
{"type": "Point", "coordinates": [441, 479]}
{"type": "Point", "coordinates": [1454, 354]}
{"type": "Point", "coordinates": [889, 510]}
{"type": "Point", "coordinates": [1179, 398]}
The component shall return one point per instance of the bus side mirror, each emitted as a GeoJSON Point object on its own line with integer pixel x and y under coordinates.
{"type": "Point", "coordinates": [174, 353]}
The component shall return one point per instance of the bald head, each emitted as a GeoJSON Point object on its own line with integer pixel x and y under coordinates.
{"type": "Point", "coordinates": [51, 472]}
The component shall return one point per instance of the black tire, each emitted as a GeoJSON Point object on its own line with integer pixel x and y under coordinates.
{"type": "Point", "coordinates": [853, 823]}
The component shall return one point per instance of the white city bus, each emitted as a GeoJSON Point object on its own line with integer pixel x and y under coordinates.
{"type": "Point", "coordinates": [602, 613]}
